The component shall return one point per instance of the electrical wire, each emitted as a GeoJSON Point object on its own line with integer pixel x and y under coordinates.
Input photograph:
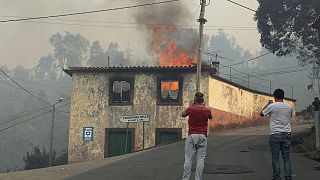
{"type": "Point", "coordinates": [134, 23]}
{"type": "Point", "coordinates": [16, 87]}
{"type": "Point", "coordinates": [142, 27]}
{"type": "Point", "coordinates": [251, 59]}
{"type": "Point", "coordinates": [41, 84]}
{"type": "Point", "coordinates": [21, 116]}
{"type": "Point", "coordinates": [88, 12]}
{"type": "Point", "coordinates": [28, 112]}
{"type": "Point", "coordinates": [238, 4]}
{"type": "Point", "coordinates": [21, 122]}
{"type": "Point", "coordinates": [23, 87]}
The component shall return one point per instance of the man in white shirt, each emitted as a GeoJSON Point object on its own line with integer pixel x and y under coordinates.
{"type": "Point", "coordinates": [280, 133]}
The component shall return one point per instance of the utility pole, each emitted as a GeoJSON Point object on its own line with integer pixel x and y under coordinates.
{"type": "Point", "coordinates": [201, 21]}
{"type": "Point", "coordinates": [53, 108]}
{"type": "Point", "coordinates": [316, 104]}
{"type": "Point", "coordinates": [270, 86]}
{"type": "Point", "coordinates": [108, 62]}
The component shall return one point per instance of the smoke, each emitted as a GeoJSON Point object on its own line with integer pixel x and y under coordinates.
{"type": "Point", "coordinates": [171, 13]}
{"type": "Point", "coordinates": [164, 24]}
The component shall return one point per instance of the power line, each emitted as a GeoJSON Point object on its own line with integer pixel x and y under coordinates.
{"type": "Point", "coordinates": [250, 75]}
{"type": "Point", "coordinates": [133, 23]}
{"type": "Point", "coordinates": [276, 70]}
{"type": "Point", "coordinates": [208, 53]}
{"type": "Point", "coordinates": [21, 113]}
{"type": "Point", "coordinates": [242, 5]}
{"type": "Point", "coordinates": [16, 87]}
{"type": "Point", "coordinates": [23, 87]}
{"type": "Point", "coordinates": [40, 84]}
{"type": "Point", "coordinates": [256, 77]}
{"type": "Point", "coordinates": [257, 57]}
{"type": "Point", "coordinates": [142, 27]}
{"type": "Point", "coordinates": [279, 72]}
{"type": "Point", "coordinates": [21, 122]}
{"type": "Point", "coordinates": [29, 112]}
{"type": "Point", "coordinates": [88, 12]}
{"type": "Point", "coordinates": [250, 59]}
{"type": "Point", "coordinates": [21, 116]}
{"type": "Point", "coordinates": [243, 80]}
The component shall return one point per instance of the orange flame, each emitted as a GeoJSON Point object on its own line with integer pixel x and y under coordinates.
{"type": "Point", "coordinates": [164, 45]}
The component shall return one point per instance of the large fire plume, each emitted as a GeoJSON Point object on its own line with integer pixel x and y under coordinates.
{"type": "Point", "coordinates": [168, 49]}
{"type": "Point", "coordinates": [169, 44]}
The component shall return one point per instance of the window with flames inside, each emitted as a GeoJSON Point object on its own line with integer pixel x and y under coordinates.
{"type": "Point", "coordinates": [170, 91]}
{"type": "Point", "coordinates": [121, 92]}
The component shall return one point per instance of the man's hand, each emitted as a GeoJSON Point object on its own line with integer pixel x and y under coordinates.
{"type": "Point", "coordinates": [184, 113]}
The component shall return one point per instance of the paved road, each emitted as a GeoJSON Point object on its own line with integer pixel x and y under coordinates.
{"type": "Point", "coordinates": [239, 155]}
{"type": "Point", "coordinates": [230, 157]}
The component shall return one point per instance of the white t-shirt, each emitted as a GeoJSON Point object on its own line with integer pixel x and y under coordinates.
{"type": "Point", "coordinates": [280, 117]}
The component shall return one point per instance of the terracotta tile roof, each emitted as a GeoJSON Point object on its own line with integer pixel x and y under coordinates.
{"type": "Point", "coordinates": [76, 69]}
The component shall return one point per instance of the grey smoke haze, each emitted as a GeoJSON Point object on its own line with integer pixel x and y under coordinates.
{"type": "Point", "coordinates": [163, 22]}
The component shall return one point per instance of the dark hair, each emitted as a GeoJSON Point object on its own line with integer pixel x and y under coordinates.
{"type": "Point", "coordinates": [279, 94]}
{"type": "Point", "coordinates": [198, 97]}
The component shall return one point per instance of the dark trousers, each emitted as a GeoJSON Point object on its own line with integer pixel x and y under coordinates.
{"type": "Point", "coordinates": [280, 143]}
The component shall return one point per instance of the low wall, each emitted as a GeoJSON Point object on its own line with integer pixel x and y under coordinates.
{"type": "Point", "coordinates": [235, 106]}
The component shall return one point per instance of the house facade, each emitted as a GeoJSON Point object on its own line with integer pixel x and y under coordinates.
{"type": "Point", "coordinates": [103, 99]}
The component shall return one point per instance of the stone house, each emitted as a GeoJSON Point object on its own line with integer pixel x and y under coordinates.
{"type": "Point", "coordinates": [102, 97]}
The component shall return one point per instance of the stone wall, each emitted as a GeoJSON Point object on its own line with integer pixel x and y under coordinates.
{"type": "Point", "coordinates": [90, 107]}
{"type": "Point", "coordinates": [235, 106]}
{"type": "Point", "coordinates": [231, 105]}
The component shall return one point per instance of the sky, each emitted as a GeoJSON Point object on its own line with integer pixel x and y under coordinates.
{"type": "Point", "coordinates": [24, 43]}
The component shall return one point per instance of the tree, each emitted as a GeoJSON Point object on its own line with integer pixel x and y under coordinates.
{"type": "Point", "coordinates": [97, 56]}
{"type": "Point", "coordinates": [283, 25]}
{"type": "Point", "coordinates": [117, 57]}
{"type": "Point", "coordinates": [36, 159]}
{"type": "Point", "coordinates": [69, 49]}
{"type": "Point", "coordinates": [46, 68]}
{"type": "Point", "coordinates": [21, 72]}
{"type": "Point", "coordinates": [40, 159]}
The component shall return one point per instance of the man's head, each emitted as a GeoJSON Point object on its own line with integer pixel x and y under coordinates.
{"type": "Point", "coordinates": [198, 98]}
{"type": "Point", "coordinates": [278, 94]}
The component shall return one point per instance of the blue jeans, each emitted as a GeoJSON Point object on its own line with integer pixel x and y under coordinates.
{"type": "Point", "coordinates": [280, 142]}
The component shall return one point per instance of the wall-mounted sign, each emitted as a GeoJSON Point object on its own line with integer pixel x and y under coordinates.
{"type": "Point", "coordinates": [135, 118]}
{"type": "Point", "coordinates": [88, 134]}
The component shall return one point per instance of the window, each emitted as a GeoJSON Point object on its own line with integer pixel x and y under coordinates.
{"type": "Point", "coordinates": [121, 91]}
{"type": "Point", "coordinates": [169, 91]}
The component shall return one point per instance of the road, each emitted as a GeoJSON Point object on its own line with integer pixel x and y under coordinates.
{"type": "Point", "coordinates": [234, 155]}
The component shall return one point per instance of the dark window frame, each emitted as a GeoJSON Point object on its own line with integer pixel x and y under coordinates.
{"type": "Point", "coordinates": [177, 102]}
{"type": "Point", "coordinates": [108, 130]}
{"type": "Point", "coordinates": [130, 80]}
{"type": "Point", "coordinates": [159, 130]}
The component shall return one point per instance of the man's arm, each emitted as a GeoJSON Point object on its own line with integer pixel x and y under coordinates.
{"type": "Point", "coordinates": [261, 114]}
{"type": "Point", "coordinates": [266, 110]}
{"type": "Point", "coordinates": [184, 113]}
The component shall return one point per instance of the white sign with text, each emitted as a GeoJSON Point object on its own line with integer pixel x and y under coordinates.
{"type": "Point", "coordinates": [135, 118]}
